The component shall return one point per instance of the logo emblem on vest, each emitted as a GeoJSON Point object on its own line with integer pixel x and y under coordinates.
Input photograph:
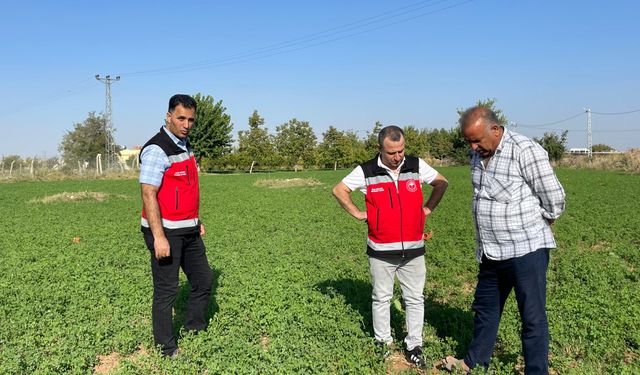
{"type": "Point", "coordinates": [412, 186]}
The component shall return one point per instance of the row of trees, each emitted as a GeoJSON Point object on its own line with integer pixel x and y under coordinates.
{"type": "Point", "coordinates": [294, 143]}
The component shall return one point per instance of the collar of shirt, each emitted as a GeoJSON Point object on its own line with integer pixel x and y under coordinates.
{"type": "Point", "coordinates": [396, 172]}
{"type": "Point", "coordinates": [182, 143]}
{"type": "Point", "coordinates": [506, 135]}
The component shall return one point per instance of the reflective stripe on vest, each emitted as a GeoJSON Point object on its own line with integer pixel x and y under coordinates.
{"type": "Point", "coordinates": [386, 178]}
{"type": "Point", "coordinates": [408, 176]}
{"type": "Point", "coordinates": [180, 157]}
{"type": "Point", "coordinates": [173, 224]}
{"type": "Point", "coordinates": [395, 246]}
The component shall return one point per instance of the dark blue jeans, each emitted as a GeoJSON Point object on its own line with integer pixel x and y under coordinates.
{"type": "Point", "coordinates": [527, 275]}
{"type": "Point", "coordinates": [188, 253]}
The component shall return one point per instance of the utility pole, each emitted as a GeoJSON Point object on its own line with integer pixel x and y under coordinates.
{"type": "Point", "coordinates": [589, 141]}
{"type": "Point", "coordinates": [110, 147]}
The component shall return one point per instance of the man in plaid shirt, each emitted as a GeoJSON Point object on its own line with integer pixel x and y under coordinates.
{"type": "Point", "coordinates": [516, 199]}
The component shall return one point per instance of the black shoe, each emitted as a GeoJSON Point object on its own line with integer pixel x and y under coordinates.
{"type": "Point", "coordinates": [414, 356]}
{"type": "Point", "coordinates": [173, 354]}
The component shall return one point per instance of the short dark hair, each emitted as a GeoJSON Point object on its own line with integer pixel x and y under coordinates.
{"type": "Point", "coordinates": [391, 131]}
{"type": "Point", "coordinates": [473, 114]}
{"type": "Point", "coordinates": [183, 100]}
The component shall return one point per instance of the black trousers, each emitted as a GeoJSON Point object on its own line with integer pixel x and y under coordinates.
{"type": "Point", "coordinates": [188, 253]}
{"type": "Point", "coordinates": [527, 275]}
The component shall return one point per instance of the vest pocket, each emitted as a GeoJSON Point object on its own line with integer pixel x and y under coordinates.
{"type": "Point", "coordinates": [378, 220]}
{"type": "Point", "coordinates": [176, 198]}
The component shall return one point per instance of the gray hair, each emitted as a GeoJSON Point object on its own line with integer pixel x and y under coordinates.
{"type": "Point", "coordinates": [473, 114]}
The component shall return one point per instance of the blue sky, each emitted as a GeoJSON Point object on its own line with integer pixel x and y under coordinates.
{"type": "Point", "coordinates": [346, 64]}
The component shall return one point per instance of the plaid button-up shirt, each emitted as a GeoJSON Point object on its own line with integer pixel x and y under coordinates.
{"type": "Point", "coordinates": [153, 161]}
{"type": "Point", "coordinates": [512, 197]}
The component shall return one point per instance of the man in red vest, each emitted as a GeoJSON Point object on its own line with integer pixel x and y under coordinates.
{"type": "Point", "coordinates": [395, 215]}
{"type": "Point", "coordinates": [170, 224]}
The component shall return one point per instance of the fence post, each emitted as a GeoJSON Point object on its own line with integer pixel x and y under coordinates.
{"type": "Point", "coordinates": [335, 165]}
{"type": "Point", "coordinates": [251, 169]}
{"type": "Point", "coordinates": [11, 168]}
{"type": "Point", "coordinates": [98, 164]}
{"type": "Point", "coordinates": [33, 159]}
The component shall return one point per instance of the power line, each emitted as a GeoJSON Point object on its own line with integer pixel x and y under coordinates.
{"type": "Point", "coordinates": [300, 43]}
{"type": "Point", "coordinates": [544, 126]}
{"type": "Point", "coordinates": [376, 22]}
{"type": "Point", "coordinates": [584, 130]}
{"type": "Point", "coordinates": [615, 113]}
{"type": "Point", "coordinates": [75, 89]}
{"type": "Point", "coordinates": [550, 123]}
{"type": "Point", "coordinates": [294, 41]}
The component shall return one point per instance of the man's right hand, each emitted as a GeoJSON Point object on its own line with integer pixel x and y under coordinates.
{"type": "Point", "coordinates": [362, 216]}
{"type": "Point", "coordinates": [342, 194]}
{"type": "Point", "coordinates": [161, 247]}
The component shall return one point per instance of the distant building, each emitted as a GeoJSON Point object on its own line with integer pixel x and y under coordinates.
{"type": "Point", "coordinates": [126, 154]}
{"type": "Point", "coordinates": [577, 150]}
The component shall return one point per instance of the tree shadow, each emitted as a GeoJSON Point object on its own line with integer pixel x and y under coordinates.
{"type": "Point", "coordinates": [357, 293]}
{"type": "Point", "coordinates": [182, 301]}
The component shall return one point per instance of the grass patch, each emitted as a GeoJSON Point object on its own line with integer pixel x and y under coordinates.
{"type": "Point", "coordinates": [290, 267]}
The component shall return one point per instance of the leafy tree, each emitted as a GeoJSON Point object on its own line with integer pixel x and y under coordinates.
{"type": "Point", "coordinates": [490, 104]}
{"type": "Point", "coordinates": [345, 148]}
{"type": "Point", "coordinates": [85, 141]}
{"type": "Point", "coordinates": [332, 148]}
{"type": "Point", "coordinates": [211, 133]}
{"type": "Point", "coordinates": [600, 147]}
{"type": "Point", "coordinates": [371, 143]}
{"type": "Point", "coordinates": [554, 144]}
{"type": "Point", "coordinates": [358, 154]}
{"type": "Point", "coordinates": [440, 143]}
{"type": "Point", "coordinates": [256, 144]}
{"type": "Point", "coordinates": [415, 141]}
{"type": "Point", "coordinates": [296, 142]}
{"type": "Point", "coordinates": [233, 160]}
{"type": "Point", "coordinates": [460, 146]}
{"type": "Point", "coordinates": [7, 160]}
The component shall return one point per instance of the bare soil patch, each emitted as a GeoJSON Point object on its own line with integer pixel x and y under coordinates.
{"type": "Point", "coordinates": [396, 363]}
{"type": "Point", "coordinates": [110, 362]}
{"type": "Point", "coordinates": [264, 342]}
{"type": "Point", "coordinates": [77, 196]}
{"type": "Point", "coordinates": [599, 246]}
{"type": "Point", "coordinates": [287, 182]}
{"type": "Point", "coordinates": [107, 363]}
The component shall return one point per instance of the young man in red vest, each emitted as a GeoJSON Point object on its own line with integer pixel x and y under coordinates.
{"type": "Point", "coordinates": [395, 215]}
{"type": "Point", "coordinates": [170, 224]}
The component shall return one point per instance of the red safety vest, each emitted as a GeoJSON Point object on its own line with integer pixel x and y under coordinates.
{"type": "Point", "coordinates": [394, 214]}
{"type": "Point", "coordinates": [179, 193]}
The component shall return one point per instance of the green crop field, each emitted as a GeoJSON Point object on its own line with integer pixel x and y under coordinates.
{"type": "Point", "coordinates": [291, 282]}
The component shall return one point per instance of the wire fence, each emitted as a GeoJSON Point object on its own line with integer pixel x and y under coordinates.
{"type": "Point", "coordinates": [17, 168]}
